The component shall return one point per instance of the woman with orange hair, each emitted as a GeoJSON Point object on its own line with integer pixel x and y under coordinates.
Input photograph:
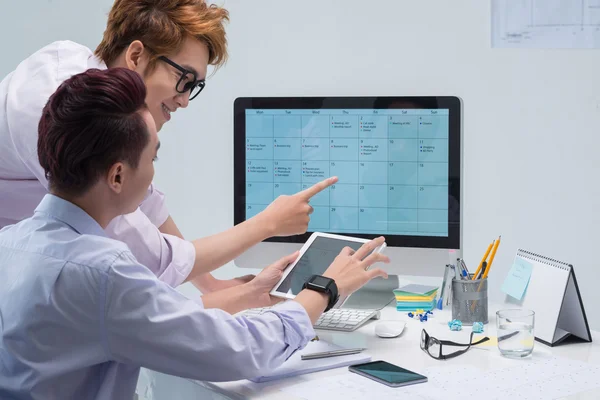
{"type": "Point", "coordinates": [169, 43]}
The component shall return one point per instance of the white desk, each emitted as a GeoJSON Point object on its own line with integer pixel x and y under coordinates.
{"type": "Point", "coordinates": [403, 351]}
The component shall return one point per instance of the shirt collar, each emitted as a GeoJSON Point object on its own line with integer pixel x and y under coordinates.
{"type": "Point", "coordinates": [95, 62]}
{"type": "Point", "coordinates": [70, 214]}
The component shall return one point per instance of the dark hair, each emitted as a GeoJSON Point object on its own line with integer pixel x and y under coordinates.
{"type": "Point", "coordinates": [92, 121]}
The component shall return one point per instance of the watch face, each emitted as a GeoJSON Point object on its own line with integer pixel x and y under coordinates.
{"type": "Point", "coordinates": [320, 281]}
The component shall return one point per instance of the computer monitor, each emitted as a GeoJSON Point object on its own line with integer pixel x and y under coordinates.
{"type": "Point", "coordinates": [398, 160]}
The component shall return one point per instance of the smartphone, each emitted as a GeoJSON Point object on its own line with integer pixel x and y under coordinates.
{"type": "Point", "coordinates": [388, 374]}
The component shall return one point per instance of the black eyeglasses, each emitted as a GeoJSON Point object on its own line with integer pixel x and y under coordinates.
{"type": "Point", "coordinates": [188, 80]}
{"type": "Point", "coordinates": [433, 346]}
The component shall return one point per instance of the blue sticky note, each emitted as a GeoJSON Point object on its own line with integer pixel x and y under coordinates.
{"type": "Point", "coordinates": [517, 279]}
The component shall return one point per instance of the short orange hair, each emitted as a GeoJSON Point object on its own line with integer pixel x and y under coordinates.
{"type": "Point", "coordinates": [162, 25]}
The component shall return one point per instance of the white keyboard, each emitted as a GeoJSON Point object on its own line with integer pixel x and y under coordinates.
{"type": "Point", "coordinates": [337, 319]}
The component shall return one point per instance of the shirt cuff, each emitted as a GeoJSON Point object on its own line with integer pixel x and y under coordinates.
{"type": "Point", "coordinates": [182, 262]}
{"type": "Point", "coordinates": [297, 328]}
{"type": "Point", "coordinates": [154, 206]}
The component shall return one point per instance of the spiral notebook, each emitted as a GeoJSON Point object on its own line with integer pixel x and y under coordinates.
{"type": "Point", "coordinates": [553, 293]}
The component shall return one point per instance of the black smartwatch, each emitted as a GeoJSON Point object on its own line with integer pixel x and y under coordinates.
{"type": "Point", "coordinates": [322, 284]}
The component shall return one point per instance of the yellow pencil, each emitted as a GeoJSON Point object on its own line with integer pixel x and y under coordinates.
{"type": "Point", "coordinates": [485, 256]}
{"type": "Point", "coordinates": [487, 270]}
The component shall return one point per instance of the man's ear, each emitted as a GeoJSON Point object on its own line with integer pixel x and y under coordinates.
{"type": "Point", "coordinates": [136, 57]}
{"type": "Point", "coordinates": [116, 177]}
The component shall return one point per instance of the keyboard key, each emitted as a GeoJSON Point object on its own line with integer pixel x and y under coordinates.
{"type": "Point", "coordinates": [337, 319]}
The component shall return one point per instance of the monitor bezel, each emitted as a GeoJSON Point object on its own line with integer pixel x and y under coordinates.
{"type": "Point", "coordinates": [453, 104]}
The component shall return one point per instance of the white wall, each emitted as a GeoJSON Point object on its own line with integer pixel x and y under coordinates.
{"type": "Point", "coordinates": [530, 116]}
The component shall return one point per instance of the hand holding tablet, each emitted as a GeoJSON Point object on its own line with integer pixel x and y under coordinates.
{"type": "Point", "coordinates": [350, 269]}
{"type": "Point", "coordinates": [341, 258]}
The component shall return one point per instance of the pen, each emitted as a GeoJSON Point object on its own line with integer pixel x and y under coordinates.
{"type": "Point", "coordinates": [464, 265]}
{"type": "Point", "coordinates": [483, 269]}
{"type": "Point", "coordinates": [332, 353]}
{"type": "Point", "coordinates": [465, 275]}
{"type": "Point", "coordinates": [444, 284]}
{"type": "Point", "coordinates": [461, 271]}
{"type": "Point", "coordinates": [457, 271]}
{"type": "Point", "coordinates": [485, 256]}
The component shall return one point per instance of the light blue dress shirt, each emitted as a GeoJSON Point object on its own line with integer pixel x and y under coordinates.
{"type": "Point", "coordinates": [79, 316]}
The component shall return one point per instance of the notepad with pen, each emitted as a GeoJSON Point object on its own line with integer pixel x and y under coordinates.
{"type": "Point", "coordinates": [296, 366]}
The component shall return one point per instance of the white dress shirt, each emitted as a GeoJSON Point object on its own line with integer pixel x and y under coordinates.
{"type": "Point", "coordinates": [80, 316]}
{"type": "Point", "coordinates": [23, 94]}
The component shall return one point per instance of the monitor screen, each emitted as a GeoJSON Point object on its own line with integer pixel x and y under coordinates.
{"type": "Point", "coordinates": [393, 160]}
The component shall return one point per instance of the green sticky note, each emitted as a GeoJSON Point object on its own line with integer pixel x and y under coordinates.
{"type": "Point", "coordinates": [517, 279]}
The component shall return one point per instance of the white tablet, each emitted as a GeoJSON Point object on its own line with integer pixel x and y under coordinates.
{"type": "Point", "coordinates": [315, 257]}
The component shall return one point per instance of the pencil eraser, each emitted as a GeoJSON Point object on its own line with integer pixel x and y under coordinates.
{"type": "Point", "coordinates": [477, 327]}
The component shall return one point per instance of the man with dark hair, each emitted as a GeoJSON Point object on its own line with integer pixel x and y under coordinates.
{"type": "Point", "coordinates": [79, 315]}
{"type": "Point", "coordinates": [170, 43]}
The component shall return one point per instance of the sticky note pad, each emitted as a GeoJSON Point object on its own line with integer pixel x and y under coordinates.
{"type": "Point", "coordinates": [517, 279]}
{"type": "Point", "coordinates": [492, 342]}
{"type": "Point", "coordinates": [416, 289]}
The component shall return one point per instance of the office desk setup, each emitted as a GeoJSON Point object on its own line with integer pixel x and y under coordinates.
{"type": "Point", "coordinates": [405, 351]}
{"type": "Point", "coordinates": [398, 160]}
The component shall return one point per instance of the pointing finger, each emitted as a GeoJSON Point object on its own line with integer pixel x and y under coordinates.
{"type": "Point", "coordinates": [318, 187]}
{"type": "Point", "coordinates": [374, 273]}
{"type": "Point", "coordinates": [368, 247]}
{"type": "Point", "coordinates": [347, 251]}
{"type": "Point", "coordinates": [375, 257]}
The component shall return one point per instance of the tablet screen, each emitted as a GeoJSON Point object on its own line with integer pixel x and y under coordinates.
{"type": "Point", "coordinates": [315, 260]}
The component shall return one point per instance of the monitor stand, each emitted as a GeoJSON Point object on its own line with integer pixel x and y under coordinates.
{"type": "Point", "coordinates": [375, 295]}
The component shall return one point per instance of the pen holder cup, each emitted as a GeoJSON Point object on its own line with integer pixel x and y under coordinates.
{"type": "Point", "coordinates": [470, 301]}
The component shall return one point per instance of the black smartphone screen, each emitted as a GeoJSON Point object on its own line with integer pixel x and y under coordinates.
{"type": "Point", "coordinates": [390, 373]}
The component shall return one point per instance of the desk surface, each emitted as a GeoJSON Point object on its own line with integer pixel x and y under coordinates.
{"type": "Point", "coordinates": [403, 351]}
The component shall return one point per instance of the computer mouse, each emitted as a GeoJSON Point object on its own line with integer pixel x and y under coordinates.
{"type": "Point", "coordinates": [389, 329]}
